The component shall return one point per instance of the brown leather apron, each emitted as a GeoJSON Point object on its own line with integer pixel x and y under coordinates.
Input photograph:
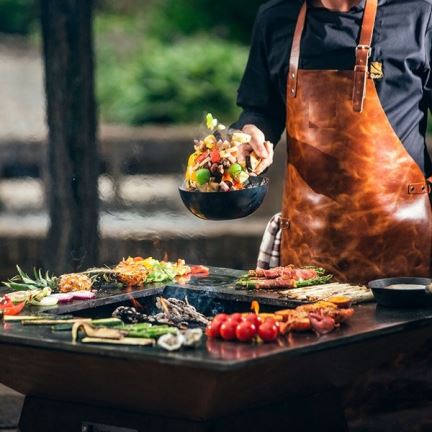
{"type": "Point", "coordinates": [355, 202]}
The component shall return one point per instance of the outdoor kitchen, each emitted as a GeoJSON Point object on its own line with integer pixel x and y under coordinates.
{"type": "Point", "coordinates": [174, 259]}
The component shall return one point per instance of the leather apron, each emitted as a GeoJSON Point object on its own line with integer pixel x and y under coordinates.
{"type": "Point", "coordinates": [355, 202]}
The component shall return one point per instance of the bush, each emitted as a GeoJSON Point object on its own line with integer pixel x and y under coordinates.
{"type": "Point", "coordinates": [18, 16]}
{"type": "Point", "coordinates": [229, 19]}
{"type": "Point", "coordinates": [171, 83]}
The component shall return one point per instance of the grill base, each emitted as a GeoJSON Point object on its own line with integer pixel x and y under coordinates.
{"type": "Point", "coordinates": [321, 412]}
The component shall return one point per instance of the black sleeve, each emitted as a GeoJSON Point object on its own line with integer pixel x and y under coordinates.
{"type": "Point", "coordinates": [258, 96]}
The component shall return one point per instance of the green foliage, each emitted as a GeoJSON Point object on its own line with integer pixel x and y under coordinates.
{"type": "Point", "coordinates": [171, 83]}
{"type": "Point", "coordinates": [18, 16]}
{"type": "Point", "coordinates": [230, 19]}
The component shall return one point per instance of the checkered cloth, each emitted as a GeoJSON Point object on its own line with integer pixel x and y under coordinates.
{"type": "Point", "coordinates": [269, 252]}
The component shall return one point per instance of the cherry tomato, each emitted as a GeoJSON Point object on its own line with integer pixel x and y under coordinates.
{"type": "Point", "coordinates": [213, 329]}
{"type": "Point", "coordinates": [268, 331]}
{"type": "Point", "coordinates": [236, 317]}
{"type": "Point", "coordinates": [228, 330]}
{"type": "Point", "coordinates": [253, 318]}
{"type": "Point", "coordinates": [271, 321]}
{"type": "Point", "coordinates": [221, 317]}
{"type": "Point", "coordinates": [245, 331]}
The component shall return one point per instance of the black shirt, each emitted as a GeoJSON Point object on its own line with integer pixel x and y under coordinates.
{"type": "Point", "coordinates": [402, 43]}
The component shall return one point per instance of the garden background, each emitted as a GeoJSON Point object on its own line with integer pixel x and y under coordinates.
{"type": "Point", "coordinates": [160, 66]}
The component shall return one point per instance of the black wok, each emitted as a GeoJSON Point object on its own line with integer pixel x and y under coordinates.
{"type": "Point", "coordinates": [226, 205]}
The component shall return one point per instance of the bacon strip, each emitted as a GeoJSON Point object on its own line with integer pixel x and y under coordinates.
{"type": "Point", "coordinates": [288, 272]}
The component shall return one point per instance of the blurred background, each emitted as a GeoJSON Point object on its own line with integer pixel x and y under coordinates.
{"type": "Point", "coordinates": [160, 66]}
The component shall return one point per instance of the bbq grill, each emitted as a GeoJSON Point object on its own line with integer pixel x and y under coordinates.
{"type": "Point", "coordinates": [219, 386]}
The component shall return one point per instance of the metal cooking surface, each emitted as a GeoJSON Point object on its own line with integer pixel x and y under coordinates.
{"type": "Point", "coordinates": [212, 280]}
{"type": "Point", "coordinates": [211, 295]}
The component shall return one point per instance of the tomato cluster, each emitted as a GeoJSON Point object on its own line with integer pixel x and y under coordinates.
{"type": "Point", "coordinates": [243, 327]}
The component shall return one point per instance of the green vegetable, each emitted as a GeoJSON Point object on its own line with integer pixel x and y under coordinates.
{"type": "Point", "coordinates": [211, 122]}
{"type": "Point", "coordinates": [23, 281]}
{"type": "Point", "coordinates": [311, 282]}
{"type": "Point", "coordinates": [105, 322]}
{"type": "Point", "coordinates": [151, 332]}
{"type": "Point", "coordinates": [203, 176]}
{"type": "Point", "coordinates": [235, 170]}
{"type": "Point", "coordinates": [147, 330]}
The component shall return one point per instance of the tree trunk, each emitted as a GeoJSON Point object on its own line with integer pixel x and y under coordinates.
{"type": "Point", "coordinates": [73, 164]}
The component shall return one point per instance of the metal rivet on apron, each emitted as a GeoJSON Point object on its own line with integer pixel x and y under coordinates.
{"type": "Point", "coordinates": [293, 76]}
{"type": "Point", "coordinates": [292, 91]}
{"type": "Point", "coordinates": [412, 188]}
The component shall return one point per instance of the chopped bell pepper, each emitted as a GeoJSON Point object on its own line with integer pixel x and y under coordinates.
{"type": "Point", "coordinates": [215, 156]}
{"type": "Point", "coordinates": [7, 306]}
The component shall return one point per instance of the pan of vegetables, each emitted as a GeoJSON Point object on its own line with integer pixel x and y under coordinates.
{"type": "Point", "coordinates": [218, 186]}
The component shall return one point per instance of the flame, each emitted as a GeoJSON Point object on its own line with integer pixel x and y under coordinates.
{"type": "Point", "coordinates": [135, 303]}
{"type": "Point", "coordinates": [255, 306]}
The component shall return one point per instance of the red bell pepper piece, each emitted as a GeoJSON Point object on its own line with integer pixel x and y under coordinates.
{"type": "Point", "coordinates": [215, 156]}
{"type": "Point", "coordinates": [201, 157]}
{"type": "Point", "coordinates": [200, 270]}
{"type": "Point", "coordinates": [7, 307]}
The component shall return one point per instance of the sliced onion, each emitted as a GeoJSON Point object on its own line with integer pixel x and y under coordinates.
{"type": "Point", "coordinates": [83, 295]}
{"type": "Point", "coordinates": [46, 301]}
{"type": "Point", "coordinates": [64, 297]}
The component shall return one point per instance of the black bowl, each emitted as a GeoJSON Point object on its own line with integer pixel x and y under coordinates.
{"type": "Point", "coordinates": [226, 205]}
{"type": "Point", "coordinates": [416, 296]}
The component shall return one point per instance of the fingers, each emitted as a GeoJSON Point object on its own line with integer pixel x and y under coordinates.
{"type": "Point", "coordinates": [265, 163]}
{"type": "Point", "coordinates": [257, 141]}
{"type": "Point", "coordinates": [243, 151]}
{"type": "Point", "coordinates": [263, 149]}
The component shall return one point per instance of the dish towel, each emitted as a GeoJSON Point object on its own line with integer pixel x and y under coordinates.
{"type": "Point", "coordinates": [269, 252]}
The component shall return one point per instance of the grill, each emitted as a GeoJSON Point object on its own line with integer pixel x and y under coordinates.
{"type": "Point", "coordinates": [216, 280]}
{"type": "Point", "coordinates": [219, 386]}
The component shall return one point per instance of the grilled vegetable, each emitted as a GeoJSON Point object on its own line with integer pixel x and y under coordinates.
{"type": "Point", "coordinates": [284, 278]}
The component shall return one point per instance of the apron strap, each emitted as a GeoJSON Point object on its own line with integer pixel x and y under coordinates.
{"type": "Point", "coordinates": [295, 52]}
{"type": "Point", "coordinates": [363, 51]}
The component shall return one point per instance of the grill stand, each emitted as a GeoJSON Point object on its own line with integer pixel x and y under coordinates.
{"type": "Point", "coordinates": [323, 412]}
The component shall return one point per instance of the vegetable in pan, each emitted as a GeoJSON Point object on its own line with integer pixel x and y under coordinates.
{"type": "Point", "coordinates": [215, 164]}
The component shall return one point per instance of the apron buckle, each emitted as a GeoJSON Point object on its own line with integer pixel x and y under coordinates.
{"type": "Point", "coordinates": [364, 47]}
{"type": "Point", "coordinates": [419, 188]}
{"type": "Point", "coordinates": [284, 223]}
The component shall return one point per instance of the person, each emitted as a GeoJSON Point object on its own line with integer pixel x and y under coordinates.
{"type": "Point", "coordinates": [350, 81]}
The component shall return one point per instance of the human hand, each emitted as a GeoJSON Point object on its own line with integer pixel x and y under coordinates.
{"type": "Point", "coordinates": [258, 144]}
